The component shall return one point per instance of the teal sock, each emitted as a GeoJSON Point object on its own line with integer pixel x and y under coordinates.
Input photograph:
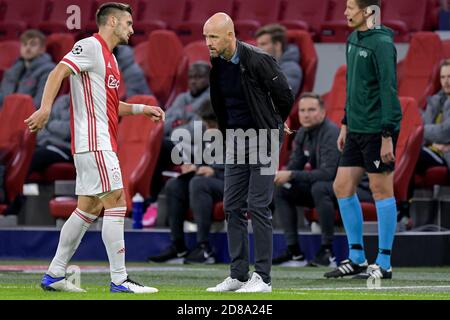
{"type": "Point", "coordinates": [351, 214]}
{"type": "Point", "coordinates": [387, 224]}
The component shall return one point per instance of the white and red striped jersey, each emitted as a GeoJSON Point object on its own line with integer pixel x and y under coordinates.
{"type": "Point", "coordinates": [94, 95]}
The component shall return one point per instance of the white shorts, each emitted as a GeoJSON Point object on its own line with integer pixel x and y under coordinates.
{"type": "Point", "coordinates": [97, 172]}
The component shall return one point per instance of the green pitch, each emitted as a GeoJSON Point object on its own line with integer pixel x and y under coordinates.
{"type": "Point", "coordinates": [186, 282]}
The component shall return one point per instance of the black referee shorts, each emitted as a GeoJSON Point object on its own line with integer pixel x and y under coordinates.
{"type": "Point", "coordinates": [363, 150]}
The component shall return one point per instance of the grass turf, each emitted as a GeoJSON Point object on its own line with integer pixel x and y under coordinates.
{"type": "Point", "coordinates": [188, 282]}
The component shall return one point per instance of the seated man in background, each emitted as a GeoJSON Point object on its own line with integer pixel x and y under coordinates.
{"type": "Point", "coordinates": [53, 141]}
{"type": "Point", "coordinates": [272, 39]}
{"type": "Point", "coordinates": [197, 191]}
{"type": "Point", "coordinates": [29, 74]}
{"type": "Point", "coordinates": [181, 114]}
{"type": "Point", "coordinates": [132, 74]}
{"type": "Point", "coordinates": [314, 147]}
{"type": "Point", "coordinates": [436, 118]}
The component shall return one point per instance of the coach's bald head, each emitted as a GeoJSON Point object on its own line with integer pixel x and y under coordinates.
{"type": "Point", "coordinates": [220, 36]}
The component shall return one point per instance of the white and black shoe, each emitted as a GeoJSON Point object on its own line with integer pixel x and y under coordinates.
{"type": "Point", "coordinates": [288, 259]}
{"type": "Point", "coordinates": [374, 271]}
{"type": "Point", "coordinates": [324, 258]}
{"type": "Point", "coordinates": [347, 268]}
{"type": "Point", "coordinates": [130, 286]}
{"type": "Point", "coordinates": [170, 255]}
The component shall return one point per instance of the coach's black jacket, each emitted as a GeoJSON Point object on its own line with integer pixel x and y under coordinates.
{"type": "Point", "coordinates": [265, 87]}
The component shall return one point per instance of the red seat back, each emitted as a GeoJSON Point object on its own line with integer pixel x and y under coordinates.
{"type": "Point", "coordinates": [10, 52]}
{"type": "Point", "coordinates": [22, 11]}
{"type": "Point", "coordinates": [197, 51]}
{"type": "Point", "coordinates": [311, 12]}
{"type": "Point", "coordinates": [335, 99]}
{"type": "Point", "coordinates": [58, 16]}
{"type": "Point", "coordinates": [171, 12]}
{"type": "Point", "coordinates": [264, 12]}
{"type": "Point", "coordinates": [424, 52]}
{"type": "Point", "coordinates": [164, 54]}
{"type": "Point", "coordinates": [139, 142]}
{"type": "Point", "coordinates": [309, 57]}
{"type": "Point", "coordinates": [16, 108]}
{"type": "Point", "coordinates": [59, 44]}
{"type": "Point", "coordinates": [408, 147]}
{"type": "Point", "coordinates": [403, 10]}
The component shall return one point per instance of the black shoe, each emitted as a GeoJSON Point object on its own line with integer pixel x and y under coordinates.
{"type": "Point", "coordinates": [202, 254]}
{"type": "Point", "coordinates": [347, 268]}
{"type": "Point", "coordinates": [171, 255]}
{"type": "Point", "coordinates": [324, 258]}
{"type": "Point", "coordinates": [287, 259]}
{"type": "Point", "coordinates": [374, 271]}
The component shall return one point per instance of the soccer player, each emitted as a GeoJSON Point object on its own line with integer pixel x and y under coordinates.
{"type": "Point", "coordinates": [95, 110]}
{"type": "Point", "coordinates": [367, 139]}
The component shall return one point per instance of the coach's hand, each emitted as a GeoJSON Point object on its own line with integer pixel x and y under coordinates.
{"type": "Point", "coordinates": [155, 113]}
{"type": "Point", "coordinates": [38, 119]}
{"type": "Point", "coordinates": [341, 138]}
{"type": "Point", "coordinates": [387, 150]}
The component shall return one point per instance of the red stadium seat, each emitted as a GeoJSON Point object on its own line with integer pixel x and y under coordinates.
{"type": "Point", "coordinates": [199, 11]}
{"type": "Point", "coordinates": [20, 15]}
{"type": "Point", "coordinates": [197, 51]}
{"type": "Point", "coordinates": [335, 29]}
{"type": "Point", "coordinates": [56, 171]}
{"type": "Point", "coordinates": [335, 99]}
{"type": "Point", "coordinates": [252, 14]}
{"type": "Point", "coordinates": [10, 53]}
{"type": "Point", "coordinates": [434, 176]}
{"type": "Point", "coordinates": [157, 14]}
{"type": "Point", "coordinates": [305, 15]}
{"type": "Point", "coordinates": [163, 60]}
{"type": "Point", "coordinates": [139, 143]}
{"type": "Point", "coordinates": [425, 51]}
{"type": "Point", "coordinates": [16, 141]}
{"type": "Point", "coordinates": [59, 44]}
{"type": "Point", "coordinates": [58, 17]}
{"type": "Point", "coordinates": [309, 57]}
{"type": "Point", "coordinates": [432, 17]}
{"type": "Point", "coordinates": [403, 17]}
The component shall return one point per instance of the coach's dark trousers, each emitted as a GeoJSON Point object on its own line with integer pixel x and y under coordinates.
{"type": "Point", "coordinates": [248, 191]}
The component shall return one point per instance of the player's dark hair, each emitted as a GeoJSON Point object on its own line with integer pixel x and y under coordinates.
{"type": "Point", "coordinates": [362, 4]}
{"type": "Point", "coordinates": [276, 31]}
{"type": "Point", "coordinates": [313, 95]}
{"type": "Point", "coordinates": [444, 63]}
{"type": "Point", "coordinates": [33, 34]}
{"type": "Point", "coordinates": [106, 9]}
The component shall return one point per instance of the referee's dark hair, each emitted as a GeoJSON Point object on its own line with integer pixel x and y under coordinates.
{"type": "Point", "coordinates": [362, 4]}
{"type": "Point", "coordinates": [313, 95]}
{"type": "Point", "coordinates": [106, 9]}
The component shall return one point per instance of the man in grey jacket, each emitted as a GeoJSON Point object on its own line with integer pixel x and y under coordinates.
{"type": "Point", "coordinates": [29, 74]}
{"type": "Point", "coordinates": [308, 182]}
{"type": "Point", "coordinates": [272, 39]}
{"type": "Point", "coordinates": [436, 149]}
{"type": "Point", "coordinates": [53, 142]}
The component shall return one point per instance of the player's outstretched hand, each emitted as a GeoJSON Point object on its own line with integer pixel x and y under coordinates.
{"type": "Point", "coordinates": [38, 120]}
{"type": "Point", "coordinates": [155, 113]}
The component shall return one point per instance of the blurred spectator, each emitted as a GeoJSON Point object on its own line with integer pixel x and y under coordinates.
{"type": "Point", "coordinates": [198, 188]}
{"type": "Point", "coordinates": [436, 118]}
{"type": "Point", "coordinates": [53, 142]}
{"type": "Point", "coordinates": [29, 74]}
{"type": "Point", "coordinates": [182, 114]}
{"type": "Point", "coordinates": [272, 39]}
{"type": "Point", "coordinates": [132, 74]}
{"type": "Point", "coordinates": [308, 182]}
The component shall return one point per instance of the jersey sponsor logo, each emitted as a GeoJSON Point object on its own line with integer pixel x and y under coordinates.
{"type": "Point", "coordinates": [363, 53]}
{"type": "Point", "coordinates": [77, 50]}
{"type": "Point", "coordinates": [113, 83]}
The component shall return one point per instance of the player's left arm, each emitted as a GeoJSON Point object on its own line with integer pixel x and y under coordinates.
{"type": "Point", "coordinates": [386, 57]}
{"type": "Point", "coordinates": [153, 112]}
